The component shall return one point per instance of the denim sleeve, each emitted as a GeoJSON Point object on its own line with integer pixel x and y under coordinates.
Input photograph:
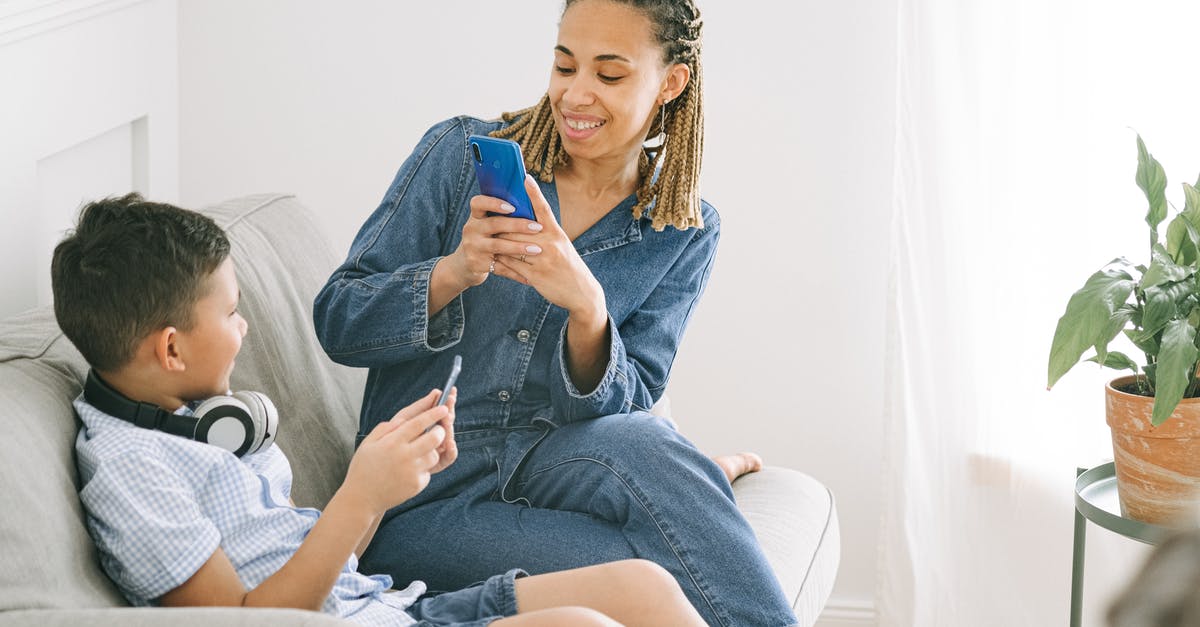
{"type": "Point", "coordinates": [642, 349]}
{"type": "Point", "coordinates": [373, 311]}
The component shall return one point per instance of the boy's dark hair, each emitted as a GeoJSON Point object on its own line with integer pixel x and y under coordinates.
{"type": "Point", "coordinates": [130, 268]}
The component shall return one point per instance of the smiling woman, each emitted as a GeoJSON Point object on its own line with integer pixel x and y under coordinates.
{"type": "Point", "coordinates": [568, 326]}
{"type": "Point", "coordinates": [590, 89]}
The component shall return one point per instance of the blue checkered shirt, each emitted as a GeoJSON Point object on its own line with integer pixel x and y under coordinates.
{"type": "Point", "coordinates": [160, 505]}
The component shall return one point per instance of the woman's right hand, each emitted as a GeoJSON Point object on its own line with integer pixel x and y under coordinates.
{"type": "Point", "coordinates": [471, 262]}
{"type": "Point", "coordinates": [395, 461]}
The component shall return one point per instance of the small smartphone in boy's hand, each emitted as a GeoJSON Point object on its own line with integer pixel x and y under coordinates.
{"type": "Point", "coordinates": [450, 380]}
{"type": "Point", "coordinates": [501, 173]}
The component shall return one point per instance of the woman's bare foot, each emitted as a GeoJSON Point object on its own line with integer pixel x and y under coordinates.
{"type": "Point", "coordinates": [738, 465]}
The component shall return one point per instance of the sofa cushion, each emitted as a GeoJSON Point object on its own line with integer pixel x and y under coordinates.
{"type": "Point", "coordinates": [175, 617]}
{"type": "Point", "coordinates": [282, 260]}
{"type": "Point", "coordinates": [49, 559]}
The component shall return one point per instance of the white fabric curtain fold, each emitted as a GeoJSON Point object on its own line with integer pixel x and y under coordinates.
{"type": "Point", "coordinates": [1013, 181]}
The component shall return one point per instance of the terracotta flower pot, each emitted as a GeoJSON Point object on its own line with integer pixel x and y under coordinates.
{"type": "Point", "coordinates": [1158, 468]}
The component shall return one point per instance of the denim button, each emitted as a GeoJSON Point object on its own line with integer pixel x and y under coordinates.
{"type": "Point", "coordinates": [523, 335]}
{"type": "Point", "coordinates": [504, 395]}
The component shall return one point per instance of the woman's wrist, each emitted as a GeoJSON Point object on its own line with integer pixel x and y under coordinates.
{"type": "Point", "coordinates": [589, 323]}
{"type": "Point", "coordinates": [592, 314]}
{"type": "Point", "coordinates": [445, 283]}
{"type": "Point", "coordinates": [587, 345]}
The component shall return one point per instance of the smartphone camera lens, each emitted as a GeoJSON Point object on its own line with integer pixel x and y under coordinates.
{"type": "Point", "coordinates": [475, 149]}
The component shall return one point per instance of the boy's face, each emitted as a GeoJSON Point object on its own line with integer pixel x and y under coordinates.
{"type": "Point", "coordinates": [208, 349]}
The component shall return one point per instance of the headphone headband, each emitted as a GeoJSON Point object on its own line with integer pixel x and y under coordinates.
{"type": "Point", "coordinates": [145, 415]}
{"type": "Point", "coordinates": [243, 423]}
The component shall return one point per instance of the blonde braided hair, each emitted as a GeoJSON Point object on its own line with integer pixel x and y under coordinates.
{"type": "Point", "coordinates": [675, 194]}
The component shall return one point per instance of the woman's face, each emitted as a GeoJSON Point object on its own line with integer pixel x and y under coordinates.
{"type": "Point", "coordinates": [608, 79]}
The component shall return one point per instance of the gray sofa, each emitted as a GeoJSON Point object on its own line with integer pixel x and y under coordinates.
{"type": "Point", "coordinates": [49, 573]}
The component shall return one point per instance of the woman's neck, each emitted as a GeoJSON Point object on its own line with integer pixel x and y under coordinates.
{"type": "Point", "coordinates": [587, 190]}
{"type": "Point", "coordinates": [600, 179]}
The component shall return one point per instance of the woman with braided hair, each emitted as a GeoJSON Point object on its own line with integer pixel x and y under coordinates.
{"type": "Point", "coordinates": [567, 325]}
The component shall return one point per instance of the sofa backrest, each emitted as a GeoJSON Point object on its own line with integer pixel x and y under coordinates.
{"type": "Point", "coordinates": [47, 559]}
{"type": "Point", "coordinates": [282, 260]}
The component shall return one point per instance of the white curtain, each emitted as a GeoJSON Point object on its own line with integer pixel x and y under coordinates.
{"type": "Point", "coordinates": [1014, 181]}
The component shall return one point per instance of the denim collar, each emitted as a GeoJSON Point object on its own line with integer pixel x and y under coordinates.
{"type": "Point", "coordinates": [616, 228]}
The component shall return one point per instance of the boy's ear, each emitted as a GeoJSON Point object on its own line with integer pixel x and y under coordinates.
{"type": "Point", "coordinates": [166, 349]}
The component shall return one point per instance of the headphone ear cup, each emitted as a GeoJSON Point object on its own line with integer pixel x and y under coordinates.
{"type": "Point", "coordinates": [264, 416]}
{"type": "Point", "coordinates": [225, 422]}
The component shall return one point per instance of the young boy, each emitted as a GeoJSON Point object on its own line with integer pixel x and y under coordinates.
{"type": "Point", "coordinates": [147, 293]}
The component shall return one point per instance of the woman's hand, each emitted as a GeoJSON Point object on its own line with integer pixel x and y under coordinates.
{"type": "Point", "coordinates": [472, 261]}
{"type": "Point", "coordinates": [558, 273]}
{"type": "Point", "coordinates": [484, 239]}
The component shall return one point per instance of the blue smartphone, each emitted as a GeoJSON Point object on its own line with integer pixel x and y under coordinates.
{"type": "Point", "coordinates": [450, 380]}
{"type": "Point", "coordinates": [501, 173]}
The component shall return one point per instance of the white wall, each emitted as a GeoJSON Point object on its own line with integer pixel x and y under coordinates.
{"type": "Point", "coordinates": [89, 109]}
{"type": "Point", "coordinates": [784, 355]}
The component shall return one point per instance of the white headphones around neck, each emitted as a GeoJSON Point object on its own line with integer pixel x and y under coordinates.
{"type": "Point", "coordinates": [243, 423]}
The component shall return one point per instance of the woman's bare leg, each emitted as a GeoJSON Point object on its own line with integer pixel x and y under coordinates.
{"type": "Point", "coordinates": [738, 465]}
{"type": "Point", "coordinates": [631, 592]}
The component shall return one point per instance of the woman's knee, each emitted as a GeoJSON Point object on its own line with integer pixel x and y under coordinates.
{"type": "Point", "coordinates": [638, 435]}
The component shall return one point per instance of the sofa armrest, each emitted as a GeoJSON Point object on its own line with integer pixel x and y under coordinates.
{"type": "Point", "coordinates": [795, 519]}
{"type": "Point", "coordinates": [175, 617]}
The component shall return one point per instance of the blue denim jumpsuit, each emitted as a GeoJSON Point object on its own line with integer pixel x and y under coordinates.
{"type": "Point", "coordinates": [548, 477]}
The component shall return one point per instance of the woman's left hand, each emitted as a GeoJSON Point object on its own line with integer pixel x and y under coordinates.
{"type": "Point", "coordinates": [558, 273]}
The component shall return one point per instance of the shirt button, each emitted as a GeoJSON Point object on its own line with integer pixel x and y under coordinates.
{"type": "Point", "coordinates": [504, 395]}
{"type": "Point", "coordinates": [523, 335]}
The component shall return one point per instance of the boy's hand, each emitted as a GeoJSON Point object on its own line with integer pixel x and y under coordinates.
{"type": "Point", "coordinates": [394, 462]}
{"type": "Point", "coordinates": [448, 450]}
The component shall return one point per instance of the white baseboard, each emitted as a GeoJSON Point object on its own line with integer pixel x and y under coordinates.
{"type": "Point", "coordinates": [848, 613]}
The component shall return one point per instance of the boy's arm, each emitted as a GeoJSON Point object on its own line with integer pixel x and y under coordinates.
{"type": "Point", "coordinates": [367, 537]}
{"type": "Point", "coordinates": [392, 465]}
{"type": "Point", "coordinates": [304, 581]}
{"type": "Point", "coordinates": [362, 546]}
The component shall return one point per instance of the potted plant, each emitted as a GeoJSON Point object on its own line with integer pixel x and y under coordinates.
{"type": "Point", "coordinates": [1154, 414]}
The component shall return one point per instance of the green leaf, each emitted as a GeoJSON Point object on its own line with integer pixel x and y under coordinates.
{"type": "Point", "coordinates": [1153, 181]}
{"type": "Point", "coordinates": [1116, 361]}
{"type": "Point", "coordinates": [1176, 366]}
{"type": "Point", "coordinates": [1163, 268]}
{"type": "Point", "coordinates": [1183, 241]}
{"type": "Point", "coordinates": [1116, 322]}
{"type": "Point", "coordinates": [1184, 308]}
{"type": "Point", "coordinates": [1087, 319]}
{"type": "Point", "coordinates": [1191, 204]}
{"type": "Point", "coordinates": [1162, 304]}
{"type": "Point", "coordinates": [1146, 343]}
